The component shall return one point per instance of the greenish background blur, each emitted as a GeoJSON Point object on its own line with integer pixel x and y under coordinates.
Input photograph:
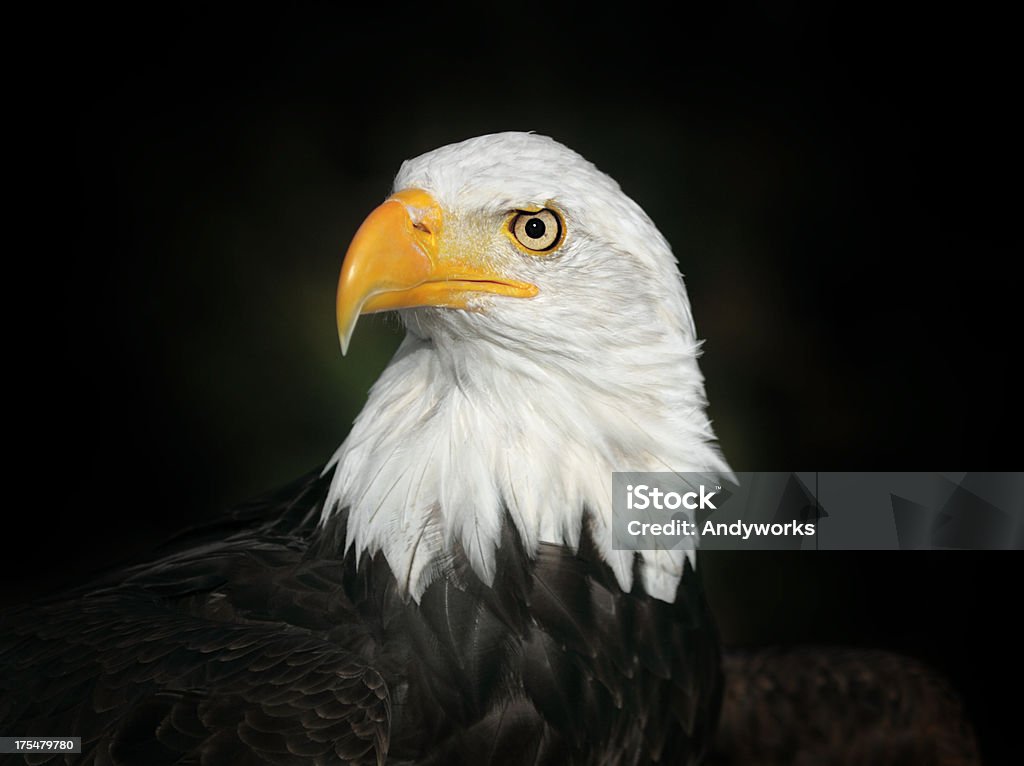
{"type": "Point", "coordinates": [834, 183]}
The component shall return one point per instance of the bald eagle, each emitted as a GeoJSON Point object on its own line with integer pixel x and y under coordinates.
{"type": "Point", "coordinates": [445, 589]}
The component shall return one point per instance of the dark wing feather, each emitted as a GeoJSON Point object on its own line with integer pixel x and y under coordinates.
{"type": "Point", "coordinates": [151, 686]}
{"type": "Point", "coordinates": [230, 649]}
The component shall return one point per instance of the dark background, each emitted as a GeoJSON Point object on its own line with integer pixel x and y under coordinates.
{"type": "Point", "coordinates": [840, 187]}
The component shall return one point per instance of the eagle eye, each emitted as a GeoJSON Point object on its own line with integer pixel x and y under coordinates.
{"type": "Point", "coordinates": [537, 231]}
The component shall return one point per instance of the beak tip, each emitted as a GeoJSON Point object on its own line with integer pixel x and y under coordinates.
{"type": "Point", "coordinates": [344, 340]}
{"type": "Point", "coordinates": [347, 318]}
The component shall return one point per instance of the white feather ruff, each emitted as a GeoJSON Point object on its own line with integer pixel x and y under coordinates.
{"type": "Point", "coordinates": [528, 406]}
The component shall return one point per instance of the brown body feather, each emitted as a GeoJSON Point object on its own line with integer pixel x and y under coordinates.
{"type": "Point", "coordinates": [818, 706]}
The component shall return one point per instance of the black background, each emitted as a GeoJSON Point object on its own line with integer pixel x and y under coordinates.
{"type": "Point", "coordinates": [840, 187]}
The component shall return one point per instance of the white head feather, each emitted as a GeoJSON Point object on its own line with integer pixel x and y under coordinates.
{"type": "Point", "coordinates": [527, 406]}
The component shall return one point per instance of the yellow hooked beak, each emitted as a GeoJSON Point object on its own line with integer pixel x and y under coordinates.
{"type": "Point", "coordinates": [395, 261]}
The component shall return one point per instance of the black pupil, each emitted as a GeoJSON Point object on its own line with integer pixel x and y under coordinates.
{"type": "Point", "coordinates": [535, 228]}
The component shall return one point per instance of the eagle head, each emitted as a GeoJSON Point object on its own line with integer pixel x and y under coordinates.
{"type": "Point", "coordinates": [549, 343]}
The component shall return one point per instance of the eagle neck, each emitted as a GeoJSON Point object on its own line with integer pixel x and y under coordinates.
{"type": "Point", "coordinates": [458, 436]}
